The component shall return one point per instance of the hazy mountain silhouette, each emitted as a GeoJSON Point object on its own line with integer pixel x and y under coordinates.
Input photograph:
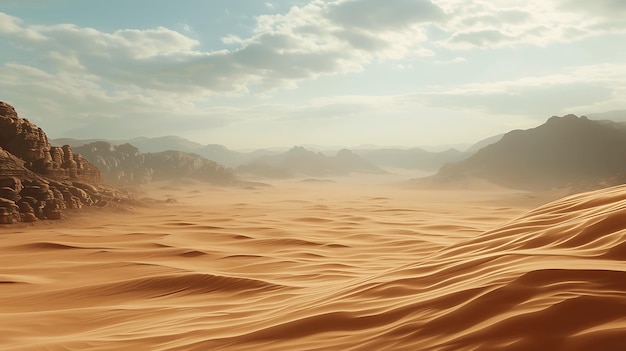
{"type": "Point", "coordinates": [414, 158]}
{"type": "Point", "coordinates": [144, 144]}
{"type": "Point", "coordinates": [567, 151]}
{"type": "Point", "coordinates": [165, 143]}
{"type": "Point", "coordinates": [214, 152]}
{"type": "Point", "coordinates": [124, 164]}
{"type": "Point", "coordinates": [301, 162]}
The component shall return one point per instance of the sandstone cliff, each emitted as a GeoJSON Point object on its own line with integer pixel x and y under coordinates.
{"type": "Point", "coordinates": [37, 180]}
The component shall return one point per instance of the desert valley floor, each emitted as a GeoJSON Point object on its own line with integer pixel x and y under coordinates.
{"type": "Point", "coordinates": [321, 266]}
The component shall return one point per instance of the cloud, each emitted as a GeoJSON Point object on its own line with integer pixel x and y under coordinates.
{"type": "Point", "coordinates": [538, 102]}
{"type": "Point", "coordinates": [9, 24]}
{"type": "Point", "coordinates": [79, 104]}
{"type": "Point", "coordinates": [375, 15]}
{"type": "Point", "coordinates": [317, 39]}
{"type": "Point", "coordinates": [604, 8]}
{"type": "Point", "coordinates": [306, 42]}
{"type": "Point", "coordinates": [481, 38]}
{"type": "Point", "coordinates": [492, 24]}
{"type": "Point", "coordinates": [11, 27]}
{"type": "Point", "coordinates": [320, 38]}
{"type": "Point", "coordinates": [575, 89]}
{"type": "Point", "coordinates": [598, 16]}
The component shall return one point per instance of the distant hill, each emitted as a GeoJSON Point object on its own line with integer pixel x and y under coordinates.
{"type": "Point", "coordinates": [414, 158]}
{"type": "Point", "coordinates": [144, 144]}
{"type": "Point", "coordinates": [213, 152]}
{"type": "Point", "coordinates": [567, 151]}
{"type": "Point", "coordinates": [411, 158]}
{"type": "Point", "coordinates": [165, 143]}
{"type": "Point", "coordinates": [76, 142]}
{"type": "Point", "coordinates": [124, 164]}
{"type": "Point", "coordinates": [301, 162]}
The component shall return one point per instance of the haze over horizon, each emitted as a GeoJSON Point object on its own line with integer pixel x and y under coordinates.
{"type": "Point", "coordinates": [278, 73]}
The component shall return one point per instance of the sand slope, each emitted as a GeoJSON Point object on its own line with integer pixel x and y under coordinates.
{"type": "Point", "coordinates": [322, 267]}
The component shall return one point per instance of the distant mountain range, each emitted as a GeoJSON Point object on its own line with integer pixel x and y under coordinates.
{"type": "Point", "coordinates": [124, 164]}
{"type": "Point", "coordinates": [413, 158]}
{"type": "Point", "coordinates": [213, 152]}
{"type": "Point", "coordinates": [567, 151]}
{"type": "Point", "coordinates": [301, 162]}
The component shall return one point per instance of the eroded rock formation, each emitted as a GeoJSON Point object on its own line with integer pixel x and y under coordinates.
{"type": "Point", "coordinates": [125, 165]}
{"type": "Point", "coordinates": [39, 181]}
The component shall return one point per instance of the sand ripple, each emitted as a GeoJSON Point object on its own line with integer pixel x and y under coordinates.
{"type": "Point", "coordinates": [308, 269]}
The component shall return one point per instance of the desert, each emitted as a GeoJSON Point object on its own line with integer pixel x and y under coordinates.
{"type": "Point", "coordinates": [342, 266]}
{"type": "Point", "coordinates": [171, 251]}
{"type": "Point", "coordinates": [312, 175]}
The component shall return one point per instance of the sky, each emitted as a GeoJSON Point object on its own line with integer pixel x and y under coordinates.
{"type": "Point", "coordinates": [255, 74]}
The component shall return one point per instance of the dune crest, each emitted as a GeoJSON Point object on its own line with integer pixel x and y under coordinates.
{"type": "Point", "coordinates": [322, 266]}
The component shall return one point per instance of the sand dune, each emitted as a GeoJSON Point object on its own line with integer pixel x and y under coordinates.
{"type": "Point", "coordinates": [322, 266]}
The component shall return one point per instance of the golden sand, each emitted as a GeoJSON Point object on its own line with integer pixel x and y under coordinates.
{"type": "Point", "coordinates": [321, 266]}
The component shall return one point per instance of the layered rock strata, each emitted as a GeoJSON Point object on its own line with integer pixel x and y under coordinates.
{"type": "Point", "coordinates": [39, 181]}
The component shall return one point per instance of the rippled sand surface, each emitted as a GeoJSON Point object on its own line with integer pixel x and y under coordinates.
{"type": "Point", "coordinates": [322, 266]}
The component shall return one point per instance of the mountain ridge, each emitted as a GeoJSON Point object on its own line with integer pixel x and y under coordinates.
{"type": "Point", "coordinates": [299, 161]}
{"type": "Point", "coordinates": [567, 151]}
{"type": "Point", "coordinates": [125, 165]}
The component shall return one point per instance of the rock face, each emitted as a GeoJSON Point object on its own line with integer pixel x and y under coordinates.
{"type": "Point", "coordinates": [30, 144]}
{"type": "Point", "coordinates": [568, 151]}
{"type": "Point", "coordinates": [125, 165]}
{"type": "Point", "coordinates": [37, 180]}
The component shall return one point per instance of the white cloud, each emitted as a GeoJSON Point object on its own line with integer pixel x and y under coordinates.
{"type": "Point", "coordinates": [304, 43]}
{"type": "Point", "coordinates": [601, 8]}
{"type": "Point", "coordinates": [501, 23]}
{"type": "Point", "coordinates": [309, 41]}
{"type": "Point", "coordinates": [11, 27]}
{"type": "Point", "coordinates": [376, 15]}
{"type": "Point", "coordinates": [575, 89]}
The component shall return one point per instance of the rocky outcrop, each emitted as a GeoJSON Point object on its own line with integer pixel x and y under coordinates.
{"type": "Point", "coordinates": [30, 144]}
{"type": "Point", "coordinates": [125, 165]}
{"type": "Point", "coordinates": [39, 181]}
